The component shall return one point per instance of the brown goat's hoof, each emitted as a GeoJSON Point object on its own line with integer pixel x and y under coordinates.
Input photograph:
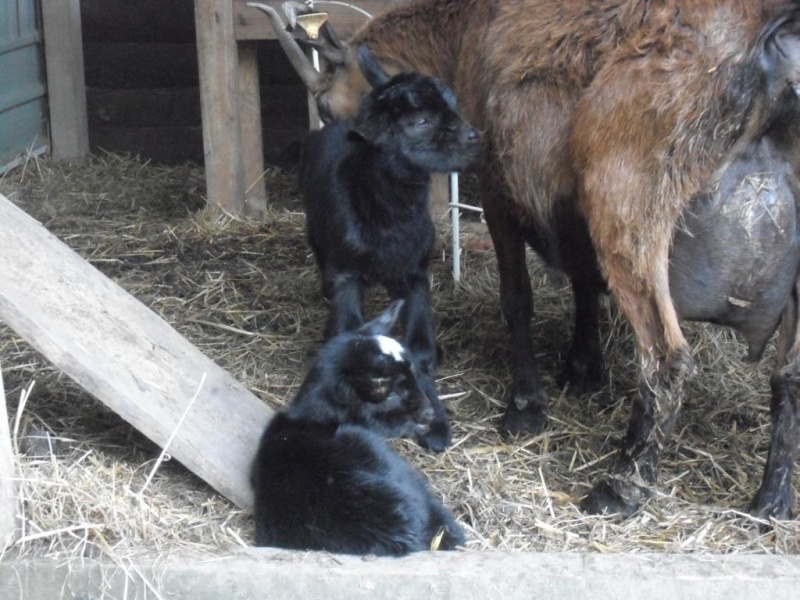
{"type": "Point", "coordinates": [530, 420]}
{"type": "Point", "coordinates": [437, 438]}
{"type": "Point", "coordinates": [618, 498]}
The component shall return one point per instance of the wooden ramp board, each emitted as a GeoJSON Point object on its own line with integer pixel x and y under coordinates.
{"type": "Point", "coordinates": [126, 356]}
{"type": "Point", "coordinates": [8, 482]}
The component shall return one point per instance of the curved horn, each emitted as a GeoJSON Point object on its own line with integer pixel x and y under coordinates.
{"type": "Point", "coordinates": [294, 53]}
{"type": "Point", "coordinates": [291, 10]}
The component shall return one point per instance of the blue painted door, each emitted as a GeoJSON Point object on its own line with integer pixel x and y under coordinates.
{"type": "Point", "coordinates": [23, 106]}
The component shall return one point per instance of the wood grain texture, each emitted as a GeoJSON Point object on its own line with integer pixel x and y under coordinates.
{"type": "Point", "coordinates": [126, 356]}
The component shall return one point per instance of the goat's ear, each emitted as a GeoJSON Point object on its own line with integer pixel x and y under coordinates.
{"type": "Point", "coordinates": [369, 66]}
{"type": "Point", "coordinates": [780, 54]}
{"type": "Point", "coordinates": [383, 323]}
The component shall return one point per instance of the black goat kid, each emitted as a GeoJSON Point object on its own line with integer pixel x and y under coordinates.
{"type": "Point", "coordinates": [366, 186]}
{"type": "Point", "coordinates": [326, 479]}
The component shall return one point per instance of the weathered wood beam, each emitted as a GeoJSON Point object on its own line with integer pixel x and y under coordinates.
{"type": "Point", "coordinates": [8, 482]}
{"type": "Point", "coordinates": [127, 357]}
{"type": "Point", "coordinates": [66, 87]}
{"type": "Point", "coordinates": [255, 190]}
{"type": "Point", "coordinates": [218, 63]}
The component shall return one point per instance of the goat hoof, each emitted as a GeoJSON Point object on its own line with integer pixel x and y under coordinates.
{"type": "Point", "coordinates": [778, 507]}
{"type": "Point", "coordinates": [529, 420]}
{"type": "Point", "coordinates": [618, 498]}
{"type": "Point", "coordinates": [582, 375]}
{"type": "Point", "coordinates": [437, 438]}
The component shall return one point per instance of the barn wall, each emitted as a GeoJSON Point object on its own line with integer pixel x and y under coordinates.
{"type": "Point", "coordinates": [142, 83]}
{"type": "Point", "coordinates": [23, 108]}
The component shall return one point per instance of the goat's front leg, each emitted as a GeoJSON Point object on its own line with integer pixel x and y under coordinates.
{"type": "Point", "coordinates": [774, 498]}
{"type": "Point", "coordinates": [345, 296]}
{"type": "Point", "coordinates": [527, 403]}
{"type": "Point", "coordinates": [420, 339]}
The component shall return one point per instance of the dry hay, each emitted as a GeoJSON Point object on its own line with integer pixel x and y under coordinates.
{"type": "Point", "coordinates": [247, 295]}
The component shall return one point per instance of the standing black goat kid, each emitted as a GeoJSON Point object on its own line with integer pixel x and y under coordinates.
{"type": "Point", "coordinates": [326, 479]}
{"type": "Point", "coordinates": [366, 186]}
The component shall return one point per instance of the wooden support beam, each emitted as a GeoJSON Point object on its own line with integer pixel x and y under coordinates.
{"type": "Point", "coordinates": [8, 481]}
{"type": "Point", "coordinates": [218, 62]}
{"type": "Point", "coordinates": [255, 190]}
{"type": "Point", "coordinates": [126, 356]}
{"type": "Point", "coordinates": [66, 87]}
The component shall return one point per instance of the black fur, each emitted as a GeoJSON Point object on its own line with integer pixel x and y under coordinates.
{"type": "Point", "coordinates": [366, 186]}
{"type": "Point", "coordinates": [324, 476]}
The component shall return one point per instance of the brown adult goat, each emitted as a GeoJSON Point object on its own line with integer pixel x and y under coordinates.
{"type": "Point", "coordinates": [662, 133]}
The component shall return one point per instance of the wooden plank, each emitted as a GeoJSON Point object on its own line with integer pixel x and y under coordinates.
{"type": "Point", "coordinates": [252, 24]}
{"type": "Point", "coordinates": [126, 356]}
{"type": "Point", "coordinates": [69, 130]}
{"type": "Point", "coordinates": [8, 484]}
{"type": "Point", "coordinates": [255, 190]}
{"type": "Point", "coordinates": [219, 99]}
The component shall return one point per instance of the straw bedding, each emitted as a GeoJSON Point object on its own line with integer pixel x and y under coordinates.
{"type": "Point", "coordinates": [246, 293]}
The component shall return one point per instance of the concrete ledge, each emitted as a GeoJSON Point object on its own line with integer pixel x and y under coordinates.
{"type": "Point", "coordinates": [278, 575]}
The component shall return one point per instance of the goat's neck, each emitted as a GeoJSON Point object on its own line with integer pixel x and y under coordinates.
{"type": "Point", "coordinates": [385, 187]}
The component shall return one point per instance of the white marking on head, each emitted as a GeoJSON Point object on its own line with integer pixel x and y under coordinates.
{"type": "Point", "coordinates": [390, 346]}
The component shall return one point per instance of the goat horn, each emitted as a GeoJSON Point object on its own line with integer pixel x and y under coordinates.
{"type": "Point", "coordinates": [292, 9]}
{"type": "Point", "coordinates": [294, 53]}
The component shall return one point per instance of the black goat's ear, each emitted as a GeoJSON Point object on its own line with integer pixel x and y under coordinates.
{"type": "Point", "coordinates": [383, 323]}
{"type": "Point", "coordinates": [369, 66]}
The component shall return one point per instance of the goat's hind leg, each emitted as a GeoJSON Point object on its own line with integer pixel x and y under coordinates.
{"type": "Point", "coordinates": [774, 498]}
{"type": "Point", "coordinates": [666, 365]}
{"type": "Point", "coordinates": [584, 367]}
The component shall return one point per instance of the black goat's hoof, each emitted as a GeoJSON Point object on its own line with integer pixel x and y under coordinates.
{"type": "Point", "coordinates": [583, 376]}
{"type": "Point", "coordinates": [530, 420]}
{"type": "Point", "coordinates": [437, 438]}
{"type": "Point", "coordinates": [765, 507]}
{"type": "Point", "coordinates": [618, 498]}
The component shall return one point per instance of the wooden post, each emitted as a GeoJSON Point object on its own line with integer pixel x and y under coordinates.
{"type": "Point", "coordinates": [219, 100]}
{"type": "Point", "coordinates": [66, 87]}
{"type": "Point", "coordinates": [8, 483]}
{"type": "Point", "coordinates": [127, 357]}
{"type": "Point", "coordinates": [255, 190]}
